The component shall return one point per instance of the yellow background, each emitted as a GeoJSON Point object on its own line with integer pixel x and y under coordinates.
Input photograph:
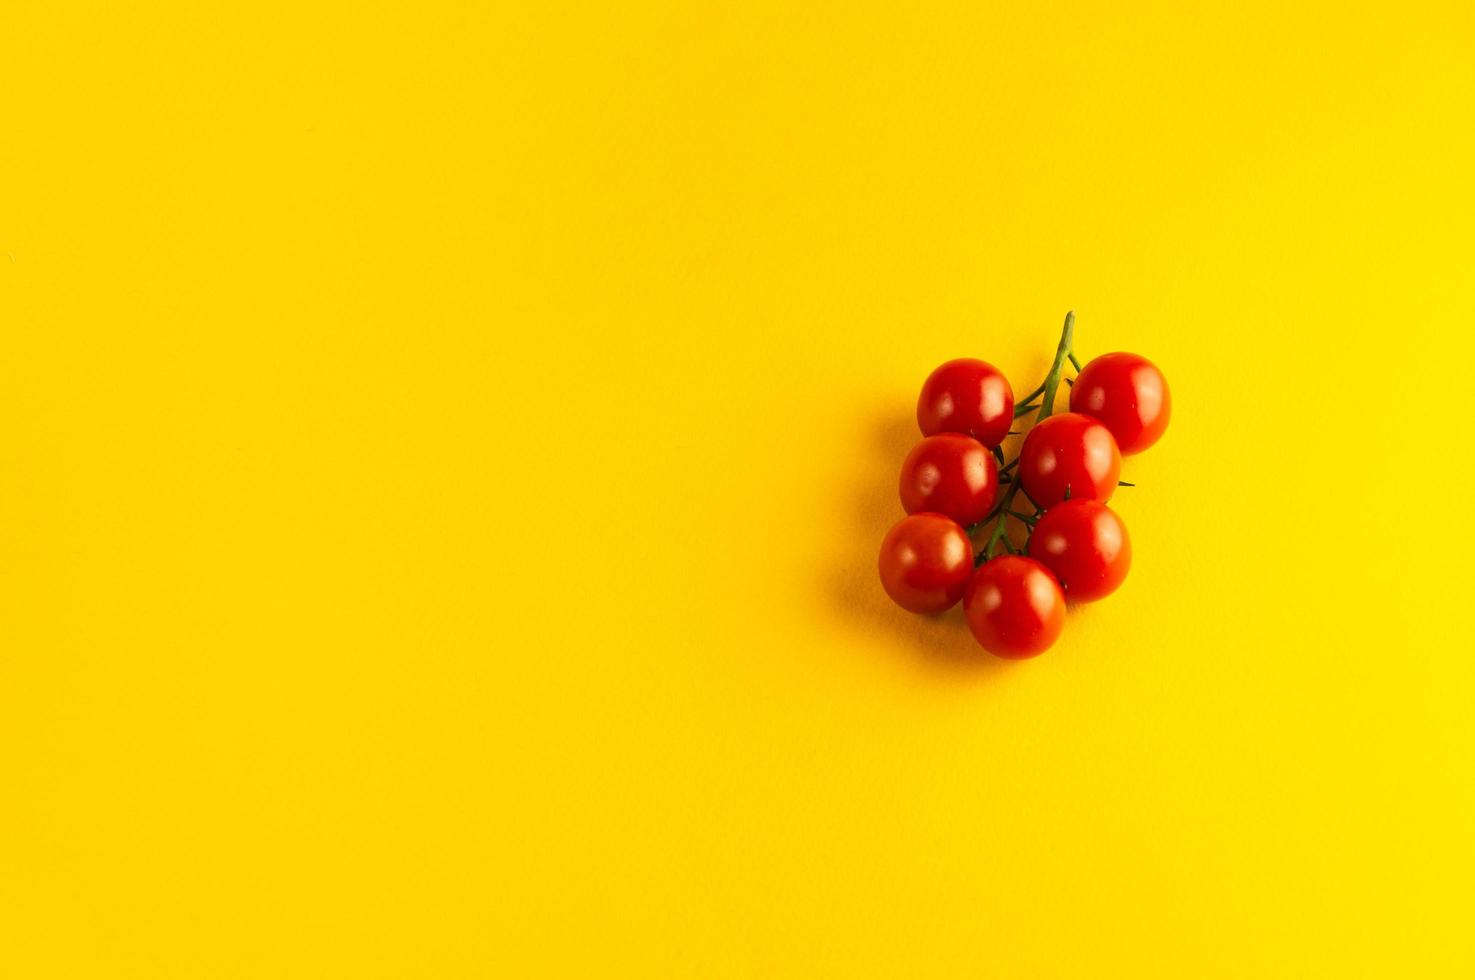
{"type": "Point", "coordinates": [443, 450]}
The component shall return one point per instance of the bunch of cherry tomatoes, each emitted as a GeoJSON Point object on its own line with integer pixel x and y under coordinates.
{"type": "Point", "coordinates": [953, 487]}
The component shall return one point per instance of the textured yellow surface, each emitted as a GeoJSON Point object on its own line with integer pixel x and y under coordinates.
{"type": "Point", "coordinates": [443, 450]}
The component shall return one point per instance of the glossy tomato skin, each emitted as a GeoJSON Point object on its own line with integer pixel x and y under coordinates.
{"type": "Point", "coordinates": [1015, 608]}
{"type": "Point", "coordinates": [926, 561]}
{"type": "Point", "coordinates": [1085, 545]}
{"type": "Point", "coordinates": [1129, 395]}
{"type": "Point", "coordinates": [968, 396]}
{"type": "Point", "coordinates": [950, 474]}
{"type": "Point", "coordinates": [1069, 452]}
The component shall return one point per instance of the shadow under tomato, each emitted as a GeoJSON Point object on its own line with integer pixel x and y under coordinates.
{"type": "Point", "coordinates": [940, 643]}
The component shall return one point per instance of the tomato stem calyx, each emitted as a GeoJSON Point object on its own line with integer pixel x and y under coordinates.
{"type": "Point", "coordinates": [1002, 511]}
{"type": "Point", "coordinates": [1052, 380]}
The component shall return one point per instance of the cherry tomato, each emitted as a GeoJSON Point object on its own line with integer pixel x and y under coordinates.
{"type": "Point", "coordinates": [950, 474]}
{"type": "Point", "coordinates": [926, 560]}
{"type": "Point", "coordinates": [1069, 452]}
{"type": "Point", "coordinates": [1014, 607]}
{"type": "Point", "coordinates": [1129, 395]}
{"type": "Point", "coordinates": [1085, 544]}
{"type": "Point", "coordinates": [968, 396]}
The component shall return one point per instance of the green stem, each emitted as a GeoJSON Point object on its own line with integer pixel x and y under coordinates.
{"type": "Point", "coordinates": [1002, 512]}
{"type": "Point", "coordinates": [1073, 362]}
{"type": "Point", "coordinates": [1052, 381]}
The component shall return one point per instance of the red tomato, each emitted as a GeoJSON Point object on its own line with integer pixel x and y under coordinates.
{"type": "Point", "coordinates": [1129, 395]}
{"type": "Point", "coordinates": [926, 560]}
{"type": "Point", "coordinates": [968, 396]}
{"type": "Point", "coordinates": [1069, 452]}
{"type": "Point", "coordinates": [950, 474]}
{"type": "Point", "coordinates": [1085, 544]}
{"type": "Point", "coordinates": [1014, 607]}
